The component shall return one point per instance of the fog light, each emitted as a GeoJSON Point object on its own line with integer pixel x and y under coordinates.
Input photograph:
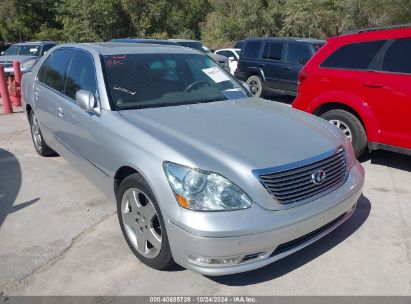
{"type": "Point", "coordinates": [199, 260]}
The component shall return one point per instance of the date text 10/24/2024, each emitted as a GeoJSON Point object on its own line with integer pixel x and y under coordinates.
{"type": "Point", "coordinates": [203, 299]}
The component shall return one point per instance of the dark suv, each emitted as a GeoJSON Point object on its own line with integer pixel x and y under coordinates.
{"type": "Point", "coordinates": [273, 64]}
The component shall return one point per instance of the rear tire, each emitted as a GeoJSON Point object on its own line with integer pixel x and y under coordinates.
{"type": "Point", "coordinates": [39, 144]}
{"type": "Point", "coordinates": [142, 223]}
{"type": "Point", "coordinates": [351, 126]}
{"type": "Point", "coordinates": [256, 85]}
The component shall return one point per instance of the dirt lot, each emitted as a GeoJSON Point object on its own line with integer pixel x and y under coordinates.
{"type": "Point", "coordinates": [60, 236]}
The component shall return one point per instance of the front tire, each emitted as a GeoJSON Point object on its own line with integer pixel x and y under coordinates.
{"type": "Point", "coordinates": [39, 144]}
{"type": "Point", "coordinates": [142, 223]}
{"type": "Point", "coordinates": [351, 127]}
{"type": "Point", "coordinates": [256, 85]}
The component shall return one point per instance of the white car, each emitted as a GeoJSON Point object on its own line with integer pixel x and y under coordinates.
{"type": "Point", "coordinates": [233, 56]}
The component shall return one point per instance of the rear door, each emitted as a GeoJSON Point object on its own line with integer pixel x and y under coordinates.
{"type": "Point", "coordinates": [297, 54]}
{"type": "Point", "coordinates": [272, 64]}
{"type": "Point", "coordinates": [390, 91]}
{"type": "Point", "coordinates": [47, 91]}
{"type": "Point", "coordinates": [249, 61]}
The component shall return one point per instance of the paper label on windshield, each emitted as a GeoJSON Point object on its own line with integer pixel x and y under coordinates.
{"type": "Point", "coordinates": [33, 50]}
{"type": "Point", "coordinates": [216, 75]}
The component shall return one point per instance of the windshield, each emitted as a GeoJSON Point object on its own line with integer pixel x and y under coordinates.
{"type": "Point", "coordinates": [23, 50]}
{"type": "Point", "coordinates": [159, 80]}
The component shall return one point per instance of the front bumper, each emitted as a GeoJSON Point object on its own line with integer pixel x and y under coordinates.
{"type": "Point", "coordinates": [297, 228]}
{"type": "Point", "coordinates": [10, 71]}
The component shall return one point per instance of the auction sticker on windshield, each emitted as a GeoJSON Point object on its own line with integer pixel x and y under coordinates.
{"type": "Point", "coordinates": [216, 74]}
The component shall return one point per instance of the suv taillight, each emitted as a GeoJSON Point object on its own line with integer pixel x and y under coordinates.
{"type": "Point", "coordinates": [238, 67]}
{"type": "Point", "coordinates": [301, 77]}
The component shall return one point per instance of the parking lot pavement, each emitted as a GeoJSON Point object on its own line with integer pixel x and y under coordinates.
{"type": "Point", "coordinates": [60, 236]}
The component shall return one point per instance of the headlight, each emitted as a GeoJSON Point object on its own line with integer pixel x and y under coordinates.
{"type": "Point", "coordinates": [196, 189]}
{"type": "Point", "coordinates": [28, 64]}
{"type": "Point", "coordinates": [349, 152]}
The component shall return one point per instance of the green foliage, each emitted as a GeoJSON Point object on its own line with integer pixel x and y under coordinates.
{"type": "Point", "coordinates": [217, 22]}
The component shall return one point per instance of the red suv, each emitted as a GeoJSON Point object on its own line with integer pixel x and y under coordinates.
{"type": "Point", "coordinates": [361, 82]}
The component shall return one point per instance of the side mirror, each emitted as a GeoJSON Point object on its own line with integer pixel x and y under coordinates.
{"type": "Point", "coordinates": [303, 60]}
{"type": "Point", "coordinates": [232, 58]}
{"type": "Point", "coordinates": [86, 101]}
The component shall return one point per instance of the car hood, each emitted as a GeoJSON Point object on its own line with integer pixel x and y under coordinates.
{"type": "Point", "coordinates": [251, 132]}
{"type": "Point", "coordinates": [15, 57]}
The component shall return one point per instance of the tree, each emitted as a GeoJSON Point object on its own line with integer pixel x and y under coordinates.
{"type": "Point", "coordinates": [20, 19]}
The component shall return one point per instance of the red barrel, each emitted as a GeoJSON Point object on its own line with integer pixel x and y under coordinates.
{"type": "Point", "coordinates": [4, 92]}
{"type": "Point", "coordinates": [16, 94]}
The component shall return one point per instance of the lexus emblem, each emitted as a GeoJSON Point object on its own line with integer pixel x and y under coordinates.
{"type": "Point", "coordinates": [318, 177]}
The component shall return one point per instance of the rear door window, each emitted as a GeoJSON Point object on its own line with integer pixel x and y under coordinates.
{"type": "Point", "coordinates": [356, 56]}
{"type": "Point", "coordinates": [252, 49]}
{"type": "Point", "coordinates": [56, 69]}
{"type": "Point", "coordinates": [397, 57]}
{"type": "Point", "coordinates": [298, 53]}
{"type": "Point", "coordinates": [273, 51]}
{"type": "Point", "coordinates": [81, 75]}
{"type": "Point", "coordinates": [42, 70]}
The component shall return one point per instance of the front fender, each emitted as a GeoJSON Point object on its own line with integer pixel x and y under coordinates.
{"type": "Point", "coordinates": [354, 102]}
{"type": "Point", "coordinates": [256, 71]}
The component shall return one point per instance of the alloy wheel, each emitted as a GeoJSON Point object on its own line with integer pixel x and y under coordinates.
{"type": "Point", "coordinates": [343, 127]}
{"type": "Point", "coordinates": [254, 87]}
{"type": "Point", "coordinates": [141, 222]}
{"type": "Point", "coordinates": [35, 132]}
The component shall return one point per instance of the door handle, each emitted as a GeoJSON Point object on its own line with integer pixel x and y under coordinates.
{"type": "Point", "coordinates": [372, 85]}
{"type": "Point", "coordinates": [287, 68]}
{"type": "Point", "coordinates": [60, 112]}
{"type": "Point", "coordinates": [261, 65]}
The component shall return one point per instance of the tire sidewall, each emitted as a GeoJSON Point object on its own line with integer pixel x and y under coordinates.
{"type": "Point", "coordinates": [359, 139]}
{"type": "Point", "coordinates": [164, 258]}
{"type": "Point", "coordinates": [41, 150]}
{"type": "Point", "coordinates": [260, 85]}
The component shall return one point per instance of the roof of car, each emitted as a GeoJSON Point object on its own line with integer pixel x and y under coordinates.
{"type": "Point", "coordinates": [403, 31]}
{"type": "Point", "coordinates": [307, 40]}
{"type": "Point", "coordinates": [143, 40]}
{"type": "Point", "coordinates": [35, 42]}
{"type": "Point", "coordinates": [183, 40]}
{"type": "Point", "coordinates": [115, 48]}
{"type": "Point", "coordinates": [228, 49]}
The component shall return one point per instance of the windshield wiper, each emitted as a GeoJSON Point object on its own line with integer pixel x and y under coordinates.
{"type": "Point", "coordinates": [169, 104]}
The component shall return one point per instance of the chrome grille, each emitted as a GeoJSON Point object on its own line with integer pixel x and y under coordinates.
{"type": "Point", "coordinates": [297, 184]}
{"type": "Point", "coordinates": [6, 64]}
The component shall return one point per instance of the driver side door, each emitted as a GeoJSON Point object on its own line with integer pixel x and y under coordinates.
{"type": "Point", "coordinates": [79, 131]}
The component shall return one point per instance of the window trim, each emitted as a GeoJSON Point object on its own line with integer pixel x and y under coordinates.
{"type": "Point", "coordinates": [64, 76]}
{"type": "Point", "coordinates": [97, 93]}
{"type": "Point", "coordinates": [368, 68]}
{"type": "Point", "coordinates": [284, 44]}
{"type": "Point", "coordinates": [306, 45]}
{"type": "Point", "coordinates": [382, 55]}
{"type": "Point", "coordinates": [259, 50]}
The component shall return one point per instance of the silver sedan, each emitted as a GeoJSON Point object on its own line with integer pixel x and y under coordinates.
{"type": "Point", "coordinates": [203, 174]}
